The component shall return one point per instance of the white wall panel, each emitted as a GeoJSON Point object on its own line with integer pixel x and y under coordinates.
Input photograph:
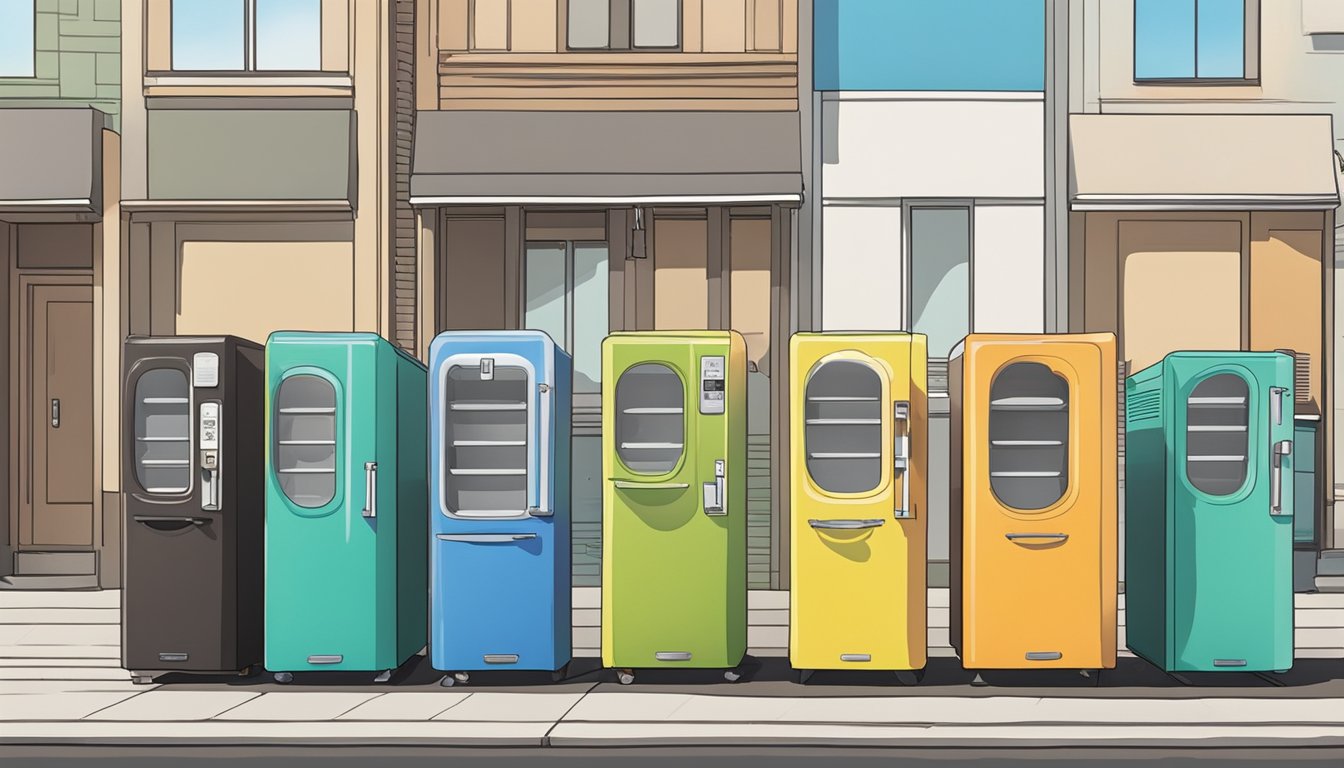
{"type": "Point", "coordinates": [861, 269]}
{"type": "Point", "coordinates": [939, 148]}
{"type": "Point", "coordinates": [1008, 269]}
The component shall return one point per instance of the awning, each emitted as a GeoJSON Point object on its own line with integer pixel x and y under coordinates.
{"type": "Point", "coordinates": [606, 157]}
{"type": "Point", "coordinates": [1201, 162]}
{"type": "Point", "coordinates": [51, 159]}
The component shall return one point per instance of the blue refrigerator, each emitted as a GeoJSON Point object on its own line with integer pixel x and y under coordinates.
{"type": "Point", "coordinates": [499, 411]}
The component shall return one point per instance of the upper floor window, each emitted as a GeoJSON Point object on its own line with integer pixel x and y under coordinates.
{"type": "Point", "coordinates": [246, 35]}
{"type": "Point", "coordinates": [1196, 39]}
{"type": "Point", "coordinates": [16, 38]}
{"type": "Point", "coordinates": [621, 25]}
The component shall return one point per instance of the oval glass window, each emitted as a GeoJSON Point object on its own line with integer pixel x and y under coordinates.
{"type": "Point", "coordinates": [305, 440]}
{"type": "Point", "coordinates": [650, 418]}
{"type": "Point", "coordinates": [163, 431]}
{"type": "Point", "coordinates": [1029, 436]}
{"type": "Point", "coordinates": [486, 452]}
{"type": "Point", "coordinates": [842, 427]}
{"type": "Point", "coordinates": [1216, 416]}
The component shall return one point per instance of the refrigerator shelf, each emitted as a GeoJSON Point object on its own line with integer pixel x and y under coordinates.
{"type": "Point", "coordinates": [842, 399]}
{"type": "Point", "coordinates": [1215, 458]}
{"type": "Point", "coordinates": [484, 472]}
{"type": "Point", "coordinates": [654, 411]}
{"type": "Point", "coordinates": [1027, 403]}
{"type": "Point", "coordinates": [1027, 473]}
{"type": "Point", "coordinates": [307, 471]}
{"type": "Point", "coordinates": [489, 443]}
{"type": "Point", "coordinates": [162, 439]}
{"type": "Point", "coordinates": [1217, 402]}
{"type": "Point", "coordinates": [1216, 428]}
{"type": "Point", "coordinates": [844, 455]}
{"type": "Point", "coordinates": [1025, 443]}
{"type": "Point", "coordinates": [164, 400]}
{"type": "Point", "coordinates": [651, 446]}
{"type": "Point", "coordinates": [499, 406]}
{"type": "Point", "coordinates": [842, 422]}
{"type": "Point", "coordinates": [299, 411]}
{"type": "Point", "coordinates": [166, 462]}
{"type": "Point", "coordinates": [306, 442]}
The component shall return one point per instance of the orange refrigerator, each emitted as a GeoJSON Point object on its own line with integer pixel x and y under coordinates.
{"type": "Point", "coordinates": [1033, 501]}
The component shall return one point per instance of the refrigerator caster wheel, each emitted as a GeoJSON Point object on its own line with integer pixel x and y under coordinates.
{"type": "Point", "coordinates": [560, 674]}
{"type": "Point", "coordinates": [447, 681]}
{"type": "Point", "coordinates": [245, 672]}
{"type": "Point", "coordinates": [626, 676]}
{"type": "Point", "coordinates": [462, 677]}
{"type": "Point", "coordinates": [908, 676]}
{"type": "Point", "coordinates": [384, 677]}
{"type": "Point", "coordinates": [804, 675]}
{"type": "Point", "coordinates": [141, 680]}
{"type": "Point", "coordinates": [732, 675]}
{"type": "Point", "coordinates": [284, 678]}
{"type": "Point", "coordinates": [978, 681]}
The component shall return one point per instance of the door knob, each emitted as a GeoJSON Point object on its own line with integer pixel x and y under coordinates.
{"type": "Point", "coordinates": [55, 412]}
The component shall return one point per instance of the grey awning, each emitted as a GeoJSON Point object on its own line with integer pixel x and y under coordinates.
{"type": "Point", "coordinates": [51, 159]}
{"type": "Point", "coordinates": [606, 157]}
{"type": "Point", "coordinates": [1201, 162]}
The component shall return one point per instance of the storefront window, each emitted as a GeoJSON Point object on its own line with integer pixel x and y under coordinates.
{"type": "Point", "coordinates": [243, 35]}
{"type": "Point", "coordinates": [566, 287]}
{"type": "Point", "coordinates": [940, 275]}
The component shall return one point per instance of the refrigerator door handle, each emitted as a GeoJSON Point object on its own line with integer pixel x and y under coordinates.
{"type": "Point", "coordinates": [900, 415]}
{"type": "Point", "coordinates": [485, 538]}
{"type": "Point", "coordinates": [370, 489]}
{"type": "Point", "coordinates": [1276, 395]}
{"type": "Point", "coordinates": [1281, 448]}
{"type": "Point", "coordinates": [848, 525]}
{"type": "Point", "coordinates": [55, 413]}
{"type": "Point", "coordinates": [1036, 536]}
{"type": "Point", "coordinates": [151, 520]}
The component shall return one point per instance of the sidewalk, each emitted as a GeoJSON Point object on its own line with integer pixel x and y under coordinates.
{"type": "Point", "coordinates": [60, 683]}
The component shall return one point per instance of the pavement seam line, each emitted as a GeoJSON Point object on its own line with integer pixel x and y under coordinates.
{"type": "Point", "coordinates": [123, 701]}
{"type": "Point", "coordinates": [546, 737]}
{"type": "Point", "coordinates": [258, 695]}
{"type": "Point", "coordinates": [451, 706]}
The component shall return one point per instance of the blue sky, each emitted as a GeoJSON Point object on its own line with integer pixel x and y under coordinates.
{"type": "Point", "coordinates": [16, 38]}
{"type": "Point", "coordinates": [208, 34]}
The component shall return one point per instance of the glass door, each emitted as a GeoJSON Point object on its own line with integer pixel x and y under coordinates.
{"type": "Point", "coordinates": [305, 440]}
{"type": "Point", "coordinates": [163, 431]}
{"type": "Point", "coordinates": [1029, 437]}
{"type": "Point", "coordinates": [487, 453]}
{"type": "Point", "coordinates": [842, 428]}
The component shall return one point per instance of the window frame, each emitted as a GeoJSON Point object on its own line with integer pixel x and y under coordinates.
{"type": "Point", "coordinates": [1250, 31]}
{"type": "Point", "coordinates": [908, 260]}
{"type": "Point", "coordinates": [32, 52]}
{"type": "Point", "coordinates": [621, 31]}
{"type": "Point", "coordinates": [249, 45]}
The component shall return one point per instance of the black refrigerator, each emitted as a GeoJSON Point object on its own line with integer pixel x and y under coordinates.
{"type": "Point", "coordinates": [194, 505]}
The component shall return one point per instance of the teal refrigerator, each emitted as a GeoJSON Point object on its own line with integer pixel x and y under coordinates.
{"type": "Point", "coordinates": [1209, 512]}
{"type": "Point", "coordinates": [346, 504]}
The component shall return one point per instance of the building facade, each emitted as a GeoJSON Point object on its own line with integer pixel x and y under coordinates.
{"type": "Point", "coordinates": [59, 240]}
{"type": "Point", "coordinates": [1203, 189]}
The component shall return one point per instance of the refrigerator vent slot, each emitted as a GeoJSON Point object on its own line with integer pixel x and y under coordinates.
{"type": "Point", "coordinates": [1028, 436]}
{"type": "Point", "coordinates": [163, 431]}
{"type": "Point", "coordinates": [1301, 375]}
{"type": "Point", "coordinates": [842, 424]}
{"type": "Point", "coordinates": [1217, 417]}
{"type": "Point", "coordinates": [486, 433]}
{"type": "Point", "coordinates": [1144, 406]}
{"type": "Point", "coordinates": [305, 440]}
{"type": "Point", "coordinates": [646, 441]}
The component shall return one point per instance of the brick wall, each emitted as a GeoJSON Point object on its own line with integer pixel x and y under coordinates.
{"type": "Point", "coordinates": [77, 60]}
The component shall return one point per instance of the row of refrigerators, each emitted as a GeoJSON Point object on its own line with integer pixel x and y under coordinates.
{"type": "Point", "coordinates": [397, 506]}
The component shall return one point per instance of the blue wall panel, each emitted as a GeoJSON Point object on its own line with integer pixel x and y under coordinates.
{"type": "Point", "coordinates": [929, 45]}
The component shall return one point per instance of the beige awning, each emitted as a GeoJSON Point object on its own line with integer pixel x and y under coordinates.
{"type": "Point", "coordinates": [51, 159]}
{"type": "Point", "coordinates": [1201, 162]}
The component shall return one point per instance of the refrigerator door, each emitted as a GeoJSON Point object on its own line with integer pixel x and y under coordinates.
{"type": "Point", "coordinates": [173, 613]}
{"type": "Point", "coordinates": [857, 530]}
{"type": "Point", "coordinates": [492, 454]}
{"type": "Point", "coordinates": [1231, 550]}
{"type": "Point", "coordinates": [323, 590]}
{"type": "Point", "coordinates": [673, 578]}
{"type": "Point", "coordinates": [1033, 573]}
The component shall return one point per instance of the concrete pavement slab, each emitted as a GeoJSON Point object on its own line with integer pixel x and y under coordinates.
{"type": "Point", "coordinates": [64, 673]}
{"type": "Point", "coordinates": [312, 706]}
{"type": "Point", "coordinates": [60, 634]}
{"type": "Point", "coordinates": [410, 705]}
{"type": "Point", "coordinates": [66, 705]}
{"type": "Point", "coordinates": [70, 686]}
{"type": "Point", "coordinates": [513, 707]}
{"type": "Point", "coordinates": [214, 732]}
{"type": "Point", "coordinates": [636, 706]}
{"type": "Point", "coordinates": [175, 706]}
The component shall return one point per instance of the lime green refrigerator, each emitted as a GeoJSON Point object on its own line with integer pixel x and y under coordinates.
{"type": "Point", "coordinates": [674, 549]}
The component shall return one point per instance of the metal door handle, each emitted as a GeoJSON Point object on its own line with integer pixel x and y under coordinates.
{"type": "Point", "coordinates": [715, 502]}
{"type": "Point", "coordinates": [1029, 536]}
{"type": "Point", "coordinates": [370, 489]}
{"type": "Point", "coordinates": [900, 414]}
{"type": "Point", "coordinates": [485, 538]}
{"type": "Point", "coordinates": [1276, 395]}
{"type": "Point", "coordinates": [848, 525]}
{"type": "Point", "coordinates": [55, 413]}
{"type": "Point", "coordinates": [626, 485]}
{"type": "Point", "coordinates": [1281, 448]}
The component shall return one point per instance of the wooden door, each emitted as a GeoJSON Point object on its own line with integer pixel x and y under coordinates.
{"type": "Point", "coordinates": [57, 452]}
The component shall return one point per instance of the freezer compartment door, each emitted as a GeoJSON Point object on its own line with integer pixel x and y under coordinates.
{"type": "Point", "coordinates": [176, 615]}
{"type": "Point", "coordinates": [494, 598]}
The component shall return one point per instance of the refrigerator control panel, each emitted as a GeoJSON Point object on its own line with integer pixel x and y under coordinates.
{"type": "Point", "coordinates": [205, 369]}
{"type": "Point", "coordinates": [712, 380]}
{"type": "Point", "coordinates": [209, 426]}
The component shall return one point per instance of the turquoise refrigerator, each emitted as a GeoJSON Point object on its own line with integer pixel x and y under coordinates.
{"type": "Point", "coordinates": [1209, 512]}
{"type": "Point", "coordinates": [346, 504]}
